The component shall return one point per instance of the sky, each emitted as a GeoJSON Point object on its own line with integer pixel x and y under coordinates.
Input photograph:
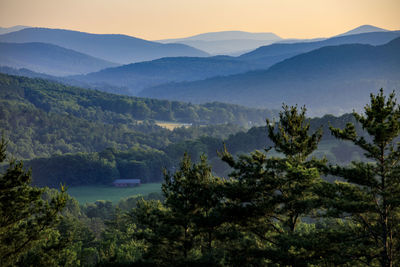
{"type": "Point", "coordinates": [161, 19]}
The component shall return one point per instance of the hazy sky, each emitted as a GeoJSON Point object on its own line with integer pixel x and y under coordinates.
{"type": "Point", "coordinates": [158, 19]}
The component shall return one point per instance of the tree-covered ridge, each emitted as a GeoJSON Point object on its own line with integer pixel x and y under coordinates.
{"type": "Point", "coordinates": [42, 118]}
{"type": "Point", "coordinates": [67, 132]}
{"type": "Point", "coordinates": [111, 108]}
{"type": "Point", "coordinates": [33, 132]}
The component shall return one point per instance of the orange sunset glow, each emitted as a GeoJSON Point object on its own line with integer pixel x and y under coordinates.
{"type": "Point", "coordinates": [158, 19]}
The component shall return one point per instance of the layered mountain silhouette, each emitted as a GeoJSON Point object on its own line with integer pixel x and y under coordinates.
{"type": "Point", "coordinates": [235, 43]}
{"type": "Point", "coordinates": [116, 48]}
{"type": "Point", "coordinates": [266, 56]}
{"type": "Point", "coordinates": [227, 42]}
{"type": "Point", "coordinates": [286, 72]}
{"type": "Point", "coordinates": [49, 59]}
{"type": "Point", "coordinates": [332, 79]}
{"type": "Point", "coordinates": [135, 77]}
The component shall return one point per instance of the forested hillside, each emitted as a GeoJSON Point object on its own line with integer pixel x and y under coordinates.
{"type": "Point", "coordinates": [42, 118]}
{"type": "Point", "coordinates": [113, 136]}
{"type": "Point", "coordinates": [111, 108]}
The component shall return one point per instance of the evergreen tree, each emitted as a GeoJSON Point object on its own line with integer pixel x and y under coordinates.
{"type": "Point", "coordinates": [370, 192]}
{"type": "Point", "coordinates": [182, 230]}
{"type": "Point", "coordinates": [25, 217]}
{"type": "Point", "coordinates": [297, 173]}
{"type": "Point", "coordinates": [269, 196]}
{"type": "Point", "coordinates": [117, 245]}
{"type": "Point", "coordinates": [192, 194]}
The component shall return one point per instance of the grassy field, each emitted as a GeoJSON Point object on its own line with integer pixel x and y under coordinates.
{"type": "Point", "coordinates": [88, 194]}
{"type": "Point", "coordinates": [172, 125]}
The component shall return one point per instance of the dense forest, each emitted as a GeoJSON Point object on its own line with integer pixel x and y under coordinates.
{"type": "Point", "coordinates": [274, 209]}
{"type": "Point", "coordinates": [147, 163]}
{"type": "Point", "coordinates": [42, 118]}
{"type": "Point", "coordinates": [79, 137]}
{"type": "Point", "coordinates": [111, 108]}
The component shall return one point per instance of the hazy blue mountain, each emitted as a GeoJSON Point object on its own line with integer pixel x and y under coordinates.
{"type": "Point", "coordinates": [26, 73]}
{"type": "Point", "coordinates": [357, 30]}
{"type": "Point", "coordinates": [298, 40]}
{"type": "Point", "coordinates": [228, 35]}
{"type": "Point", "coordinates": [140, 75]}
{"type": "Point", "coordinates": [4, 30]}
{"type": "Point", "coordinates": [332, 79]}
{"type": "Point", "coordinates": [363, 29]}
{"type": "Point", "coordinates": [66, 80]}
{"type": "Point", "coordinates": [266, 56]}
{"type": "Point", "coordinates": [134, 77]}
{"type": "Point", "coordinates": [117, 48]}
{"type": "Point", "coordinates": [235, 43]}
{"type": "Point", "coordinates": [49, 59]}
{"type": "Point", "coordinates": [227, 42]}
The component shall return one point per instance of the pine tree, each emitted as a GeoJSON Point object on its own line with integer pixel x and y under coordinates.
{"type": "Point", "coordinates": [370, 193]}
{"type": "Point", "coordinates": [182, 230]}
{"type": "Point", "coordinates": [192, 195]}
{"type": "Point", "coordinates": [270, 195]}
{"type": "Point", "coordinates": [298, 174]}
{"type": "Point", "coordinates": [24, 216]}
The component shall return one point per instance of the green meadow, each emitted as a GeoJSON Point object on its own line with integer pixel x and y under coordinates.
{"type": "Point", "coordinates": [89, 194]}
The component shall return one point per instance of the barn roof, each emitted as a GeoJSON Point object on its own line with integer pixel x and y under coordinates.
{"type": "Point", "coordinates": [127, 181]}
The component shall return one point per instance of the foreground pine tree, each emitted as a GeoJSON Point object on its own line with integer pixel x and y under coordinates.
{"type": "Point", "coordinates": [370, 193]}
{"type": "Point", "coordinates": [24, 215]}
{"type": "Point", "coordinates": [269, 196]}
{"type": "Point", "coordinates": [181, 231]}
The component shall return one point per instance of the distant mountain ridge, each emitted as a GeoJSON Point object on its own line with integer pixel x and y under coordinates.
{"type": "Point", "coordinates": [363, 29]}
{"type": "Point", "coordinates": [235, 43]}
{"type": "Point", "coordinates": [228, 35]}
{"type": "Point", "coordinates": [266, 56]}
{"type": "Point", "coordinates": [116, 48]}
{"type": "Point", "coordinates": [227, 42]}
{"type": "Point", "coordinates": [131, 78]}
{"type": "Point", "coordinates": [332, 79]}
{"type": "Point", "coordinates": [135, 77]}
{"type": "Point", "coordinates": [49, 59]}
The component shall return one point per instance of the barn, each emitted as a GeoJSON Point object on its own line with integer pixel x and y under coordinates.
{"type": "Point", "coordinates": [126, 182]}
